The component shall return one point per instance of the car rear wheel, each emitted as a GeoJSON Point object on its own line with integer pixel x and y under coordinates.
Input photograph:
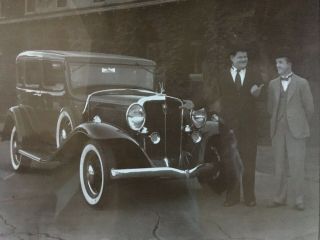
{"type": "Point", "coordinates": [18, 162]}
{"type": "Point", "coordinates": [95, 162]}
{"type": "Point", "coordinates": [65, 126]}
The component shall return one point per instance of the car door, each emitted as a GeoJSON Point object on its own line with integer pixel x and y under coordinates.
{"type": "Point", "coordinates": [53, 94]}
{"type": "Point", "coordinates": [30, 93]}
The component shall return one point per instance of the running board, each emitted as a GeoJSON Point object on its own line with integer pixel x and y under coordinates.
{"type": "Point", "coordinates": [31, 156]}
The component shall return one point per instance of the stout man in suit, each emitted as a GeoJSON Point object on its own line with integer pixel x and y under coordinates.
{"type": "Point", "coordinates": [290, 105]}
{"type": "Point", "coordinates": [239, 86]}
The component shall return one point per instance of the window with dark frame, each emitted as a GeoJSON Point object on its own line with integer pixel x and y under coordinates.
{"type": "Point", "coordinates": [20, 73]}
{"type": "Point", "coordinates": [33, 73]}
{"type": "Point", "coordinates": [2, 14]}
{"type": "Point", "coordinates": [53, 75]}
{"type": "Point", "coordinates": [30, 6]}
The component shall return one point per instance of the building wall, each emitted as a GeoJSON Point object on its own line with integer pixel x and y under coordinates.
{"type": "Point", "coordinates": [184, 37]}
{"type": "Point", "coordinates": [26, 10]}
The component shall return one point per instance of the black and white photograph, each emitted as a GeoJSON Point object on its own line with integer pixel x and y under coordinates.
{"type": "Point", "coordinates": [159, 119]}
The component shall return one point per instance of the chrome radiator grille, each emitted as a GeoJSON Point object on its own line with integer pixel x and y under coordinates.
{"type": "Point", "coordinates": [165, 118]}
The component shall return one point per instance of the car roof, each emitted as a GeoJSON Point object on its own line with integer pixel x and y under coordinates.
{"type": "Point", "coordinates": [85, 57]}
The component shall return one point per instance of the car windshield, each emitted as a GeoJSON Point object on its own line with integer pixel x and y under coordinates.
{"type": "Point", "coordinates": [96, 76]}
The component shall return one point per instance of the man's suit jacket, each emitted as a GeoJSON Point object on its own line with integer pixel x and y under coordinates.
{"type": "Point", "coordinates": [238, 107]}
{"type": "Point", "coordinates": [299, 105]}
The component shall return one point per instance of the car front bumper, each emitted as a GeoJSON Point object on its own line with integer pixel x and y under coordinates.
{"type": "Point", "coordinates": [165, 172]}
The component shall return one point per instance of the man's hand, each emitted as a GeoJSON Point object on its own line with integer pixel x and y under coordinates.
{"type": "Point", "coordinates": [256, 90]}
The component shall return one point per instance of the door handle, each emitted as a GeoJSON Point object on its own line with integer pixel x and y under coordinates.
{"type": "Point", "coordinates": [37, 94]}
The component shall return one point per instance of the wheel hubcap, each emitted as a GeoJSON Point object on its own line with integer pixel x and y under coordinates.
{"type": "Point", "coordinates": [15, 151]}
{"type": "Point", "coordinates": [63, 134]}
{"type": "Point", "coordinates": [65, 130]}
{"type": "Point", "coordinates": [93, 175]}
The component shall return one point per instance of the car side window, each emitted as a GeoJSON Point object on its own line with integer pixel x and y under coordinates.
{"type": "Point", "coordinates": [54, 75]}
{"type": "Point", "coordinates": [33, 73]}
{"type": "Point", "coordinates": [20, 74]}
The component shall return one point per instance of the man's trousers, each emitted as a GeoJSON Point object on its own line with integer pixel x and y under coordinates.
{"type": "Point", "coordinates": [289, 155]}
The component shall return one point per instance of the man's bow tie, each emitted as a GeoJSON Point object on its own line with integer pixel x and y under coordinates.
{"type": "Point", "coordinates": [282, 78]}
{"type": "Point", "coordinates": [285, 78]}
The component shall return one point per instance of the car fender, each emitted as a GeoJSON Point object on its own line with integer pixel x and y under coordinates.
{"type": "Point", "coordinates": [102, 131]}
{"type": "Point", "coordinates": [20, 117]}
{"type": "Point", "coordinates": [127, 150]}
{"type": "Point", "coordinates": [209, 132]}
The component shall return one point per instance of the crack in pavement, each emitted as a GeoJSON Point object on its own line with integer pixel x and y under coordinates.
{"type": "Point", "coordinates": [12, 227]}
{"type": "Point", "coordinates": [156, 227]}
{"type": "Point", "coordinates": [229, 237]}
{"type": "Point", "coordinates": [47, 235]}
{"type": "Point", "coordinates": [222, 230]}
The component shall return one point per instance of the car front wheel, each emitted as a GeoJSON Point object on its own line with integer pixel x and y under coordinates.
{"type": "Point", "coordinates": [94, 173]}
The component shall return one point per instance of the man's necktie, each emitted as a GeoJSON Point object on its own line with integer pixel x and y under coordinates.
{"type": "Point", "coordinates": [238, 80]}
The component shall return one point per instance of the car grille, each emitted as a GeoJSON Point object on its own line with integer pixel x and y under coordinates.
{"type": "Point", "coordinates": [167, 124]}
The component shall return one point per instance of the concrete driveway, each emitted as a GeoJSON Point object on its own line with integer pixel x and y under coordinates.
{"type": "Point", "coordinates": [45, 203]}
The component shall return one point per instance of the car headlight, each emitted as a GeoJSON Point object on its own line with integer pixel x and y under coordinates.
{"type": "Point", "coordinates": [199, 117]}
{"type": "Point", "coordinates": [136, 117]}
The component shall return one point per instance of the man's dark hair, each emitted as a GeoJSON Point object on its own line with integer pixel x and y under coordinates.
{"type": "Point", "coordinates": [288, 59]}
{"type": "Point", "coordinates": [238, 48]}
{"type": "Point", "coordinates": [285, 53]}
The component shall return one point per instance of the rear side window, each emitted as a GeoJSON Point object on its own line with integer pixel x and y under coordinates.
{"type": "Point", "coordinates": [33, 73]}
{"type": "Point", "coordinates": [20, 74]}
{"type": "Point", "coordinates": [54, 75]}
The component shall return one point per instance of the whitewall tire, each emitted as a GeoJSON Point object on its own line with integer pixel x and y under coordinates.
{"type": "Point", "coordinates": [64, 127]}
{"type": "Point", "coordinates": [94, 173]}
{"type": "Point", "coordinates": [17, 160]}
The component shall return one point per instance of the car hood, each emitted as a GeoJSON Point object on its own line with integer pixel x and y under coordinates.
{"type": "Point", "coordinates": [121, 98]}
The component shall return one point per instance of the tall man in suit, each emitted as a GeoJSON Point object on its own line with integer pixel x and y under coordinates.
{"type": "Point", "coordinates": [290, 105]}
{"type": "Point", "coordinates": [239, 86]}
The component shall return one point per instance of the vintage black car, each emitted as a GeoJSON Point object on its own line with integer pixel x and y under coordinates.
{"type": "Point", "coordinates": [109, 113]}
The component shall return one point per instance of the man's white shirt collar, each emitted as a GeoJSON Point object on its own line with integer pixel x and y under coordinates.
{"type": "Point", "coordinates": [242, 72]}
{"type": "Point", "coordinates": [285, 84]}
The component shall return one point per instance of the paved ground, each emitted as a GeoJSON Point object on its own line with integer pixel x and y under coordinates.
{"type": "Point", "coordinates": [44, 203]}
